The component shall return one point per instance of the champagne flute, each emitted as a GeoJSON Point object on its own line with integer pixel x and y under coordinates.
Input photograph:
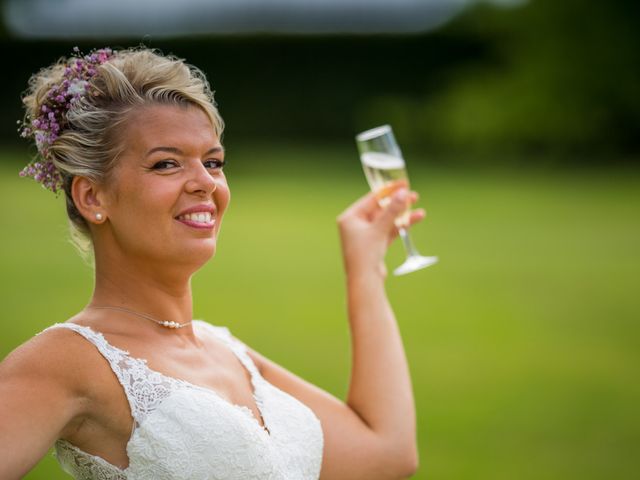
{"type": "Point", "coordinates": [383, 166]}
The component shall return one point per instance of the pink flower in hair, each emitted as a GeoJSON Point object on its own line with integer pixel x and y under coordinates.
{"type": "Point", "coordinates": [45, 128]}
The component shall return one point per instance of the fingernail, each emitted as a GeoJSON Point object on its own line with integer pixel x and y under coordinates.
{"type": "Point", "coordinates": [400, 195]}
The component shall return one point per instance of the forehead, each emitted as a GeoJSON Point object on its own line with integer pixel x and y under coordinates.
{"type": "Point", "coordinates": [183, 127]}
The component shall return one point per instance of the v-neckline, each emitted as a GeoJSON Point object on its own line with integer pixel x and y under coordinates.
{"type": "Point", "coordinates": [254, 383]}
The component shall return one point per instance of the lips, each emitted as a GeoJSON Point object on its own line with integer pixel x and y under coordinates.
{"type": "Point", "coordinates": [199, 216]}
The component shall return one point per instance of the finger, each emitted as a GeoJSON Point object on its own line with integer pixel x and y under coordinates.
{"type": "Point", "coordinates": [364, 205]}
{"type": "Point", "coordinates": [368, 206]}
{"type": "Point", "coordinates": [399, 203]}
{"type": "Point", "coordinates": [388, 189]}
{"type": "Point", "coordinates": [415, 216]}
{"type": "Point", "coordinates": [412, 197]}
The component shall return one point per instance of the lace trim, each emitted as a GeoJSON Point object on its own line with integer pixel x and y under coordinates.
{"type": "Point", "coordinates": [295, 447]}
{"type": "Point", "coordinates": [257, 381]}
{"type": "Point", "coordinates": [84, 466]}
{"type": "Point", "coordinates": [145, 390]}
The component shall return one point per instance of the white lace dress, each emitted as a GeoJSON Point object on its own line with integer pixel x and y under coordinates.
{"type": "Point", "coordinates": [183, 431]}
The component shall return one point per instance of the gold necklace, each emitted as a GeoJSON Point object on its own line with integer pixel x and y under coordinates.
{"type": "Point", "coordinates": [162, 323]}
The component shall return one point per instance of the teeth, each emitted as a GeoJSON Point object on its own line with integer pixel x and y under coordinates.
{"type": "Point", "coordinates": [199, 217]}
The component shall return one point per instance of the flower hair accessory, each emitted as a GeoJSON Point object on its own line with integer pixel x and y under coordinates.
{"type": "Point", "coordinates": [46, 126]}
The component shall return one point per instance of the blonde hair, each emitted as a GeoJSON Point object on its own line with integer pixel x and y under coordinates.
{"type": "Point", "coordinates": [89, 141]}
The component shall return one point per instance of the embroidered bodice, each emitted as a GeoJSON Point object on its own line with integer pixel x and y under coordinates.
{"type": "Point", "coordinates": [183, 431]}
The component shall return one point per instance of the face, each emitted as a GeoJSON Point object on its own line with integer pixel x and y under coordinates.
{"type": "Point", "coordinates": [166, 197]}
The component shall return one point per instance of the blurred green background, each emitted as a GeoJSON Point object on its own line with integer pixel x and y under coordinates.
{"type": "Point", "coordinates": [520, 129]}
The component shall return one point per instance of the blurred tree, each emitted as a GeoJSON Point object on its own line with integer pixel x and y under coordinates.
{"type": "Point", "coordinates": [560, 77]}
{"type": "Point", "coordinates": [545, 77]}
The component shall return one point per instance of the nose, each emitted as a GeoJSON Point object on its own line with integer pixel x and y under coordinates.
{"type": "Point", "coordinates": [200, 180]}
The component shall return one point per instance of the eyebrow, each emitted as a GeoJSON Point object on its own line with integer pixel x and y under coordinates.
{"type": "Point", "coordinates": [177, 151]}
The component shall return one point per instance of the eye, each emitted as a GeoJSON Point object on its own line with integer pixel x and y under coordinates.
{"type": "Point", "coordinates": [214, 164]}
{"type": "Point", "coordinates": [164, 165]}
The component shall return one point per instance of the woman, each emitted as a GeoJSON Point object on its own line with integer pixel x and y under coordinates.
{"type": "Point", "coordinates": [131, 387]}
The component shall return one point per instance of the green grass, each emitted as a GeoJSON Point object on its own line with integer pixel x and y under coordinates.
{"type": "Point", "coordinates": [522, 341]}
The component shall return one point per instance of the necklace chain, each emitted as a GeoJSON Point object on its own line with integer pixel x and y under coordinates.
{"type": "Point", "coordinates": [162, 323]}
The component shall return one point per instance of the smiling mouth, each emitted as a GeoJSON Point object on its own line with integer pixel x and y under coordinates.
{"type": "Point", "coordinates": [197, 219]}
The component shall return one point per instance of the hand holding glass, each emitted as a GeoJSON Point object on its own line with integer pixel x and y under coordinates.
{"type": "Point", "coordinates": [383, 166]}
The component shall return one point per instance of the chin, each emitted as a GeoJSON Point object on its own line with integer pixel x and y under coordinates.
{"type": "Point", "coordinates": [200, 254]}
{"type": "Point", "coordinates": [193, 255]}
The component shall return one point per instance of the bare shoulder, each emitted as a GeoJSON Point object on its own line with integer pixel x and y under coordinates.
{"type": "Point", "coordinates": [44, 395]}
{"type": "Point", "coordinates": [56, 356]}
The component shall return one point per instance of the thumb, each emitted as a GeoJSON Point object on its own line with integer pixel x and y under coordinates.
{"type": "Point", "coordinates": [399, 203]}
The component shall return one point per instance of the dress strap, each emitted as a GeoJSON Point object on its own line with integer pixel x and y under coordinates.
{"type": "Point", "coordinates": [143, 389]}
{"type": "Point", "coordinates": [236, 346]}
{"type": "Point", "coordinates": [239, 349]}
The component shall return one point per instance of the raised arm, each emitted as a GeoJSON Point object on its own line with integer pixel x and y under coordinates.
{"type": "Point", "coordinates": [38, 400]}
{"type": "Point", "coordinates": [372, 435]}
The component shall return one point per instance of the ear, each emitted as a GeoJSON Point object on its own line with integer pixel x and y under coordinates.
{"type": "Point", "coordinates": [89, 199]}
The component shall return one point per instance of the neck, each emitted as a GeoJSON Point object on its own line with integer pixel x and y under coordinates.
{"type": "Point", "coordinates": [125, 286]}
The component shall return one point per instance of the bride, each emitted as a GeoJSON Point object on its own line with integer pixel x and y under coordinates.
{"type": "Point", "coordinates": [131, 387]}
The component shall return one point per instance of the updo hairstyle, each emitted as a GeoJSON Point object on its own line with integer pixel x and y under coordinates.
{"type": "Point", "coordinates": [89, 141]}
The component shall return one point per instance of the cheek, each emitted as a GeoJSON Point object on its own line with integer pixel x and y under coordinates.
{"type": "Point", "coordinates": [142, 205]}
{"type": "Point", "coordinates": [223, 196]}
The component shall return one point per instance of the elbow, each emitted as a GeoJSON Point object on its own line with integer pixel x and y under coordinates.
{"type": "Point", "coordinates": [409, 467]}
{"type": "Point", "coordinates": [394, 459]}
{"type": "Point", "coordinates": [403, 464]}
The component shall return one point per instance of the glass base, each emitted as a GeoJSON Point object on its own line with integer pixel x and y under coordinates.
{"type": "Point", "coordinates": [414, 263]}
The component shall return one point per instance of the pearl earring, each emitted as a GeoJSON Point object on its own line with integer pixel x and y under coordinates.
{"type": "Point", "coordinates": [99, 217]}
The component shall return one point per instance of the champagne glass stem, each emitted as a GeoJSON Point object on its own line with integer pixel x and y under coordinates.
{"type": "Point", "coordinates": [408, 244]}
{"type": "Point", "coordinates": [383, 164]}
{"type": "Point", "coordinates": [414, 260]}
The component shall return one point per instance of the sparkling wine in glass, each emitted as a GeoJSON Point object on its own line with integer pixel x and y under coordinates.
{"type": "Point", "coordinates": [383, 166]}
